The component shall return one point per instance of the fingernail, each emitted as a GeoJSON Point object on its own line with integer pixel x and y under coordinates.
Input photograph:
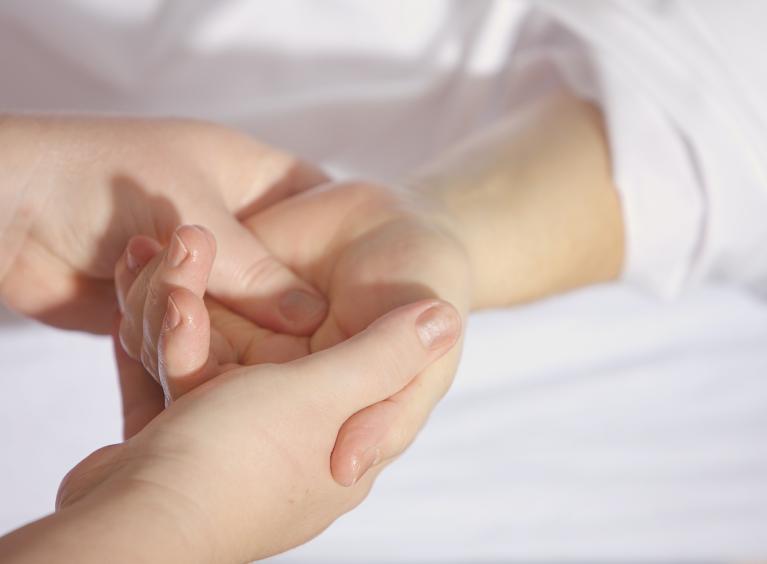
{"type": "Point", "coordinates": [208, 235]}
{"type": "Point", "coordinates": [177, 251]}
{"type": "Point", "coordinates": [172, 315]}
{"type": "Point", "coordinates": [438, 326]}
{"type": "Point", "coordinates": [363, 462]}
{"type": "Point", "coordinates": [298, 305]}
{"type": "Point", "coordinates": [138, 254]}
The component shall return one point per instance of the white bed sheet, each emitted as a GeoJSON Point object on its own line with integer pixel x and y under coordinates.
{"type": "Point", "coordinates": [601, 424]}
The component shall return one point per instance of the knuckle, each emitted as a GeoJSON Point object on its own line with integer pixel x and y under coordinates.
{"type": "Point", "coordinates": [258, 272]}
{"type": "Point", "coordinates": [194, 237]}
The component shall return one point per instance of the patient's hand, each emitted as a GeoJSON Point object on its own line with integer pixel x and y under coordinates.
{"type": "Point", "coordinates": [368, 250]}
{"type": "Point", "coordinates": [174, 280]}
{"type": "Point", "coordinates": [496, 200]}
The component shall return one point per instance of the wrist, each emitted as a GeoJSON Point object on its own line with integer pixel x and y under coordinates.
{"type": "Point", "coordinates": [460, 210]}
{"type": "Point", "coordinates": [137, 515]}
{"type": "Point", "coordinates": [533, 202]}
{"type": "Point", "coordinates": [125, 523]}
{"type": "Point", "coordinates": [428, 196]}
{"type": "Point", "coordinates": [110, 508]}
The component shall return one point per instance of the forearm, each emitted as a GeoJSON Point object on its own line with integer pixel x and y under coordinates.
{"type": "Point", "coordinates": [21, 153]}
{"type": "Point", "coordinates": [125, 526]}
{"type": "Point", "coordinates": [533, 203]}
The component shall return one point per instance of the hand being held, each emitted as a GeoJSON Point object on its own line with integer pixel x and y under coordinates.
{"type": "Point", "coordinates": [369, 250]}
{"type": "Point", "coordinates": [241, 464]}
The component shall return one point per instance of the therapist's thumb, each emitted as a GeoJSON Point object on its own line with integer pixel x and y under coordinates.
{"type": "Point", "coordinates": [381, 360]}
{"type": "Point", "coordinates": [251, 281]}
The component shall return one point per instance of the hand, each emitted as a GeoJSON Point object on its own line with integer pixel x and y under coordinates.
{"type": "Point", "coordinates": [238, 469]}
{"type": "Point", "coordinates": [90, 184]}
{"type": "Point", "coordinates": [369, 250]}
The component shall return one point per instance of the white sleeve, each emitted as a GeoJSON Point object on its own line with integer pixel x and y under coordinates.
{"type": "Point", "coordinates": [687, 153]}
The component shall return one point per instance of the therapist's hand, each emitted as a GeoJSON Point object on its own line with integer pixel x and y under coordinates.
{"type": "Point", "coordinates": [369, 249]}
{"type": "Point", "coordinates": [239, 468]}
{"type": "Point", "coordinates": [74, 190]}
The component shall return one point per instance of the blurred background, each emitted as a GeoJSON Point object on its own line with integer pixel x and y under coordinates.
{"type": "Point", "coordinates": [603, 424]}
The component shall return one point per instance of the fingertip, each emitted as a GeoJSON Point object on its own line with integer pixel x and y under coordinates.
{"type": "Point", "coordinates": [256, 284]}
{"type": "Point", "coordinates": [191, 243]}
{"type": "Point", "coordinates": [184, 309]}
{"type": "Point", "coordinates": [383, 359]}
{"type": "Point", "coordinates": [209, 237]}
{"type": "Point", "coordinates": [349, 468]}
{"type": "Point", "coordinates": [438, 326]}
{"type": "Point", "coordinates": [426, 328]}
{"type": "Point", "coordinates": [302, 310]}
{"type": "Point", "coordinates": [184, 343]}
{"type": "Point", "coordinates": [172, 317]}
{"type": "Point", "coordinates": [362, 442]}
{"type": "Point", "coordinates": [139, 251]}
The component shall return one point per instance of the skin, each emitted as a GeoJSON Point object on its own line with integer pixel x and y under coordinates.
{"type": "Point", "coordinates": [237, 469]}
{"type": "Point", "coordinates": [533, 202]}
{"type": "Point", "coordinates": [522, 211]}
{"type": "Point", "coordinates": [75, 190]}
{"type": "Point", "coordinates": [363, 248]}
{"type": "Point", "coordinates": [369, 248]}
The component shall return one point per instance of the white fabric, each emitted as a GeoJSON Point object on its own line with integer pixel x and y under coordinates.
{"type": "Point", "coordinates": [682, 85]}
{"type": "Point", "coordinates": [602, 424]}
{"type": "Point", "coordinates": [681, 82]}
{"type": "Point", "coordinates": [597, 426]}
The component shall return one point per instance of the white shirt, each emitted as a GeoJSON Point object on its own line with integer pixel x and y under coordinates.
{"type": "Point", "coordinates": [682, 85]}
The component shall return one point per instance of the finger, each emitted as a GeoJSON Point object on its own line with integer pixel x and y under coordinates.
{"type": "Point", "coordinates": [185, 359]}
{"type": "Point", "coordinates": [381, 360]}
{"type": "Point", "coordinates": [132, 323]}
{"type": "Point", "coordinates": [307, 218]}
{"type": "Point", "coordinates": [142, 397]}
{"type": "Point", "coordinates": [253, 176]}
{"type": "Point", "coordinates": [186, 263]}
{"type": "Point", "coordinates": [284, 176]}
{"type": "Point", "coordinates": [383, 431]}
{"type": "Point", "coordinates": [254, 283]}
{"type": "Point", "coordinates": [139, 251]}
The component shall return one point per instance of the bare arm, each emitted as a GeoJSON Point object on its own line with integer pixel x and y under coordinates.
{"type": "Point", "coordinates": [533, 203]}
